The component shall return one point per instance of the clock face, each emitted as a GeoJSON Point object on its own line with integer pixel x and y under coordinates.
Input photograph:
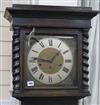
{"type": "Point", "coordinates": [50, 60]}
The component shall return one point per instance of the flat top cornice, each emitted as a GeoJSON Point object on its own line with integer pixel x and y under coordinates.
{"type": "Point", "coordinates": [51, 8]}
{"type": "Point", "coordinates": [18, 10]}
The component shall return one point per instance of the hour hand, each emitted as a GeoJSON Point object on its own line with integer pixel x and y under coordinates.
{"type": "Point", "coordinates": [42, 60]}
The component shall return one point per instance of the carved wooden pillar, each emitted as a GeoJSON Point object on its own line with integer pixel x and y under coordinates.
{"type": "Point", "coordinates": [16, 59]}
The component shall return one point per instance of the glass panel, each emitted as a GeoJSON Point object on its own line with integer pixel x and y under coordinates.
{"type": "Point", "coordinates": [32, 81]}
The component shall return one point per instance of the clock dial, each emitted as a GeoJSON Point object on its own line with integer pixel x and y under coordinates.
{"type": "Point", "coordinates": [50, 60]}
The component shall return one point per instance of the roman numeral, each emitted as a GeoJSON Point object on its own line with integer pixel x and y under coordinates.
{"type": "Point", "coordinates": [34, 70]}
{"type": "Point", "coordinates": [33, 60]}
{"type": "Point", "coordinates": [35, 51]}
{"type": "Point", "coordinates": [50, 79]}
{"type": "Point", "coordinates": [59, 44]}
{"type": "Point", "coordinates": [65, 69]}
{"type": "Point", "coordinates": [41, 76]}
{"type": "Point", "coordinates": [41, 44]}
{"type": "Point", "coordinates": [65, 51]}
{"type": "Point", "coordinates": [67, 60]}
{"type": "Point", "coordinates": [50, 42]}
{"type": "Point", "coordinates": [59, 76]}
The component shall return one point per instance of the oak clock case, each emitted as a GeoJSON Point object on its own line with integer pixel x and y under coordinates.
{"type": "Point", "coordinates": [50, 73]}
{"type": "Point", "coordinates": [50, 62]}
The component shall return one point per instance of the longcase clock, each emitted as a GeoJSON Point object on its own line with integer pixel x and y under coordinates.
{"type": "Point", "coordinates": [50, 53]}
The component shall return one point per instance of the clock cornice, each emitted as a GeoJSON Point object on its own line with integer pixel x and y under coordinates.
{"type": "Point", "coordinates": [51, 16]}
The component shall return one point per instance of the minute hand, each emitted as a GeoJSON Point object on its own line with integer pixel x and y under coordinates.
{"type": "Point", "coordinates": [55, 56]}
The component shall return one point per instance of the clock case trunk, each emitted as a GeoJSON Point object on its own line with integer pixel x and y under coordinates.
{"type": "Point", "coordinates": [71, 39]}
{"type": "Point", "coordinates": [50, 20]}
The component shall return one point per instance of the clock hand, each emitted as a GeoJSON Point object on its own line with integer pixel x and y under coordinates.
{"type": "Point", "coordinates": [55, 56]}
{"type": "Point", "coordinates": [44, 60]}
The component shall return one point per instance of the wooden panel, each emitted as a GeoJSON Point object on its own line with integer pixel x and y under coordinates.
{"type": "Point", "coordinates": [5, 3]}
{"type": "Point", "coordinates": [5, 78]}
{"type": "Point", "coordinates": [6, 63]}
{"type": "Point", "coordinates": [58, 23]}
{"type": "Point", "coordinates": [77, 19]}
{"type": "Point", "coordinates": [0, 16]}
{"type": "Point", "coordinates": [50, 101]}
{"type": "Point", "coordinates": [5, 48]}
{"type": "Point", "coordinates": [6, 34]}
{"type": "Point", "coordinates": [4, 22]}
{"type": "Point", "coordinates": [5, 93]}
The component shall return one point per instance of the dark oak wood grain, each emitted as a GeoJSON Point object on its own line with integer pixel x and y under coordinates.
{"type": "Point", "coordinates": [54, 21]}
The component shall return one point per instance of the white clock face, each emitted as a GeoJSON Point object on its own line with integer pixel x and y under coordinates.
{"type": "Point", "coordinates": [50, 60]}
